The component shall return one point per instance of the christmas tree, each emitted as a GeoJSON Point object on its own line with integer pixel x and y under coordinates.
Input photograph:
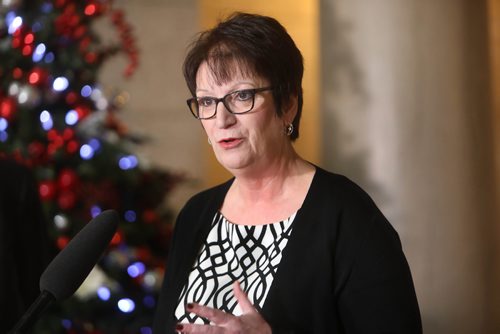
{"type": "Point", "coordinates": [56, 119]}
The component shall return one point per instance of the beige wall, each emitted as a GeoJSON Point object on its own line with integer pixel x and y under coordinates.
{"type": "Point", "coordinates": [405, 96]}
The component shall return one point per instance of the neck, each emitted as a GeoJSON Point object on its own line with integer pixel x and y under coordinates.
{"type": "Point", "coordinates": [269, 182]}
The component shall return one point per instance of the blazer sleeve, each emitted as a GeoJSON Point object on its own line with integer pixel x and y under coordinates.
{"type": "Point", "coordinates": [379, 296]}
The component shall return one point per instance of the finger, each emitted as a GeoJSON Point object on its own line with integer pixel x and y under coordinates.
{"type": "Point", "coordinates": [214, 315]}
{"type": "Point", "coordinates": [195, 328]}
{"type": "Point", "coordinates": [241, 296]}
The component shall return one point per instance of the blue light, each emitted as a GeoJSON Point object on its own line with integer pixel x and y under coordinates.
{"type": "Point", "coordinates": [4, 136]}
{"type": "Point", "coordinates": [146, 330]}
{"type": "Point", "coordinates": [48, 125]}
{"type": "Point", "coordinates": [103, 293]}
{"type": "Point", "coordinates": [46, 7]}
{"type": "Point", "coordinates": [60, 84]}
{"type": "Point", "coordinates": [49, 57]}
{"type": "Point", "coordinates": [95, 211]}
{"type": "Point", "coordinates": [46, 120]}
{"type": "Point", "coordinates": [130, 216]}
{"type": "Point", "coordinates": [136, 269]}
{"type": "Point", "coordinates": [128, 162]}
{"type": "Point", "coordinates": [45, 116]}
{"type": "Point", "coordinates": [66, 323]}
{"type": "Point", "coordinates": [95, 144]}
{"type": "Point", "coordinates": [86, 152]}
{"type": "Point", "coordinates": [37, 26]}
{"type": "Point", "coordinates": [9, 17]}
{"type": "Point", "coordinates": [39, 52]}
{"type": "Point", "coordinates": [149, 301]}
{"type": "Point", "coordinates": [126, 305]}
{"type": "Point", "coordinates": [71, 117]}
{"type": "Point", "coordinates": [15, 24]}
{"type": "Point", "coordinates": [3, 124]}
{"type": "Point", "coordinates": [86, 91]}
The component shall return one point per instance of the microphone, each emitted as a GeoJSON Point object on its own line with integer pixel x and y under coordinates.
{"type": "Point", "coordinates": [67, 271]}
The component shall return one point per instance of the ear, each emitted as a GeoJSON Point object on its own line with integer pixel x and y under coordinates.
{"type": "Point", "coordinates": [290, 109]}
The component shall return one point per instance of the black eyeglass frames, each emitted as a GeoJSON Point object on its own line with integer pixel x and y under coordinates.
{"type": "Point", "coordinates": [237, 102]}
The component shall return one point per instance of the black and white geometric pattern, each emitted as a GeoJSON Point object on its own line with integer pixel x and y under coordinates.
{"type": "Point", "coordinates": [249, 254]}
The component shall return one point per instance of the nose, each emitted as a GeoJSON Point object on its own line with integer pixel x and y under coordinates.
{"type": "Point", "coordinates": [223, 118]}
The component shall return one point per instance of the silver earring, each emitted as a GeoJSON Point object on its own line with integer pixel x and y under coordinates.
{"type": "Point", "coordinates": [209, 142]}
{"type": "Point", "coordinates": [289, 129]}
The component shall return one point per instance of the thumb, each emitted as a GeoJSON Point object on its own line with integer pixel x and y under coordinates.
{"type": "Point", "coordinates": [241, 296]}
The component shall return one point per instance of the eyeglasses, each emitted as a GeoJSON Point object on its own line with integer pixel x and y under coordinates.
{"type": "Point", "coordinates": [237, 102]}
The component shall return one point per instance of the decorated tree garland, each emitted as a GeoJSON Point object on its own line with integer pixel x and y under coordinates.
{"type": "Point", "coordinates": [58, 120]}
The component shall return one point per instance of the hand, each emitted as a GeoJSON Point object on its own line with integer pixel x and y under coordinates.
{"type": "Point", "coordinates": [224, 323]}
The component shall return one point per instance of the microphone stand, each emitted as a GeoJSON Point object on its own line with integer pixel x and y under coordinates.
{"type": "Point", "coordinates": [31, 315]}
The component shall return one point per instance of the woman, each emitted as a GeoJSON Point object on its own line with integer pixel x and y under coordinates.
{"type": "Point", "coordinates": [284, 246]}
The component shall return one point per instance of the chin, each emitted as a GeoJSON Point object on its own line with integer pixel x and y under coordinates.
{"type": "Point", "coordinates": [232, 162]}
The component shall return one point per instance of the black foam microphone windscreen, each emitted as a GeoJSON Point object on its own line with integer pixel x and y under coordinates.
{"type": "Point", "coordinates": [71, 266]}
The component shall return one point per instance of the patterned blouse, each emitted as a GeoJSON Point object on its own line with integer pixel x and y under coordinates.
{"type": "Point", "coordinates": [249, 254]}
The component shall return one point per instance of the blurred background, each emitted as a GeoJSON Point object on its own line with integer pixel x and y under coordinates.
{"type": "Point", "coordinates": [402, 96]}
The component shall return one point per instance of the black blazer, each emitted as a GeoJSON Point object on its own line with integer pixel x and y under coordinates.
{"type": "Point", "coordinates": [23, 242]}
{"type": "Point", "coordinates": [342, 271]}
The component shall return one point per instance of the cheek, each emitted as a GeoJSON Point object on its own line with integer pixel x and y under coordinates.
{"type": "Point", "coordinates": [206, 127]}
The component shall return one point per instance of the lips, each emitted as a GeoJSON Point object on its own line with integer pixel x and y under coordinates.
{"type": "Point", "coordinates": [229, 142]}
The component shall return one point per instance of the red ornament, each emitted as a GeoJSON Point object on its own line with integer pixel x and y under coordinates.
{"type": "Point", "coordinates": [62, 241]}
{"type": "Point", "coordinates": [143, 254]}
{"type": "Point", "coordinates": [66, 200]}
{"type": "Point", "coordinates": [7, 108]}
{"type": "Point", "coordinates": [90, 57]}
{"type": "Point", "coordinates": [68, 133]}
{"type": "Point", "coordinates": [149, 216]}
{"type": "Point", "coordinates": [36, 150]}
{"type": "Point", "coordinates": [38, 76]}
{"type": "Point", "coordinates": [117, 238]}
{"type": "Point", "coordinates": [72, 146]}
{"type": "Point", "coordinates": [82, 111]}
{"type": "Point", "coordinates": [67, 179]}
{"type": "Point", "coordinates": [71, 98]}
{"type": "Point", "coordinates": [29, 38]}
{"type": "Point", "coordinates": [60, 3]}
{"type": "Point", "coordinates": [47, 190]}
{"type": "Point", "coordinates": [17, 73]}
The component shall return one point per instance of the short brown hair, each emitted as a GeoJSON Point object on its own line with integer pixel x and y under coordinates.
{"type": "Point", "coordinates": [262, 45]}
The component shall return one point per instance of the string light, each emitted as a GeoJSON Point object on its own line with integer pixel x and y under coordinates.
{"type": "Point", "coordinates": [128, 162]}
{"type": "Point", "coordinates": [136, 269]}
{"type": "Point", "coordinates": [60, 84]}
{"type": "Point", "coordinates": [4, 136]}
{"type": "Point", "coordinates": [71, 117]}
{"type": "Point", "coordinates": [103, 293]}
{"type": "Point", "coordinates": [130, 216]}
{"type": "Point", "coordinates": [39, 52]}
{"type": "Point", "coordinates": [95, 211]}
{"type": "Point", "coordinates": [149, 301]}
{"type": "Point", "coordinates": [3, 124]}
{"type": "Point", "coordinates": [86, 91]}
{"type": "Point", "coordinates": [46, 120]}
{"type": "Point", "coordinates": [87, 152]}
{"type": "Point", "coordinates": [126, 305]}
{"type": "Point", "coordinates": [95, 144]}
{"type": "Point", "coordinates": [49, 57]}
{"type": "Point", "coordinates": [66, 323]}
{"type": "Point", "coordinates": [146, 330]}
{"type": "Point", "coordinates": [14, 24]}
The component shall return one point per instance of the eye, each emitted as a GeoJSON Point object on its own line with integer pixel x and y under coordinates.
{"type": "Point", "coordinates": [244, 95]}
{"type": "Point", "coordinates": [205, 102]}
